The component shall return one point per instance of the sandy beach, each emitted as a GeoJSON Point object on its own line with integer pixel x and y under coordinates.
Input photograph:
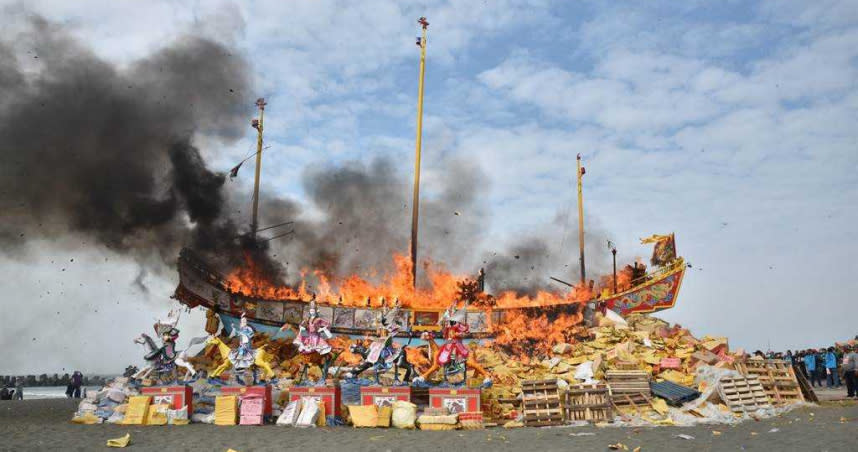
{"type": "Point", "coordinates": [44, 425]}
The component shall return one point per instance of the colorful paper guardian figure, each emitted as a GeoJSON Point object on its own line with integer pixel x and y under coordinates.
{"type": "Point", "coordinates": [242, 358]}
{"type": "Point", "coordinates": [453, 357]}
{"type": "Point", "coordinates": [311, 340]}
{"type": "Point", "coordinates": [382, 355]}
{"type": "Point", "coordinates": [164, 359]}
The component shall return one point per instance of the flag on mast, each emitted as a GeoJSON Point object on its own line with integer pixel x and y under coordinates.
{"type": "Point", "coordinates": [233, 173]}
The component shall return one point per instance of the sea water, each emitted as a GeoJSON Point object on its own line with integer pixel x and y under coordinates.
{"type": "Point", "coordinates": [52, 392]}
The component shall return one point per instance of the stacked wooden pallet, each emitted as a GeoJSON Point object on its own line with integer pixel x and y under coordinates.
{"type": "Point", "coordinates": [806, 389]}
{"type": "Point", "coordinates": [628, 387]}
{"type": "Point", "coordinates": [777, 377]}
{"type": "Point", "coordinates": [540, 403]}
{"type": "Point", "coordinates": [588, 402]}
{"type": "Point", "coordinates": [743, 394]}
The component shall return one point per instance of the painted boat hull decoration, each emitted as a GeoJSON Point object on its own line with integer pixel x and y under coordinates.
{"type": "Point", "coordinates": [201, 286]}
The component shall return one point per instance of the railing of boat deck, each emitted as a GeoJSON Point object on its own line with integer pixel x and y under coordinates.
{"type": "Point", "coordinates": [677, 263]}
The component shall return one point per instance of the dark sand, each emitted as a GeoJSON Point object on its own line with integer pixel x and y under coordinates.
{"type": "Point", "coordinates": [44, 425]}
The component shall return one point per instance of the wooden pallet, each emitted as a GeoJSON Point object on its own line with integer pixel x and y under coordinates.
{"type": "Point", "coordinates": [777, 377]}
{"type": "Point", "coordinates": [588, 402]}
{"type": "Point", "coordinates": [743, 394]}
{"type": "Point", "coordinates": [540, 403]}
{"type": "Point", "coordinates": [628, 382]}
{"type": "Point", "coordinates": [806, 389]}
{"type": "Point", "coordinates": [634, 400]}
{"type": "Point", "coordinates": [628, 388]}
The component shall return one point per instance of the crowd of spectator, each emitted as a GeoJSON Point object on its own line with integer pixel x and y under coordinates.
{"type": "Point", "coordinates": [832, 367]}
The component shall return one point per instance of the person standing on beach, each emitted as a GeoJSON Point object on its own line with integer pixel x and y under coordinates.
{"type": "Point", "coordinates": [798, 362]}
{"type": "Point", "coordinates": [76, 382]}
{"type": "Point", "coordinates": [19, 388]}
{"type": "Point", "coordinates": [850, 371]}
{"type": "Point", "coordinates": [832, 377]}
{"type": "Point", "coordinates": [820, 365]}
{"type": "Point", "coordinates": [810, 366]}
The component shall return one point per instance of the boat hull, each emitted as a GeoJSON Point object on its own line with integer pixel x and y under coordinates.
{"type": "Point", "coordinates": [657, 294]}
{"type": "Point", "coordinates": [200, 286]}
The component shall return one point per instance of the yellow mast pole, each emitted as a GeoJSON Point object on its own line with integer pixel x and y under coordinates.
{"type": "Point", "coordinates": [257, 124]}
{"type": "Point", "coordinates": [581, 221]}
{"type": "Point", "coordinates": [415, 202]}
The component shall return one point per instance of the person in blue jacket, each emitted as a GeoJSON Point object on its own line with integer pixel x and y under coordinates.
{"type": "Point", "coordinates": [810, 366]}
{"type": "Point", "coordinates": [832, 374]}
{"type": "Point", "coordinates": [820, 365]}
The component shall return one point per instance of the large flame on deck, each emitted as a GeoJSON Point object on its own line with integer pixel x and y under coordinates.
{"type": "Point", "coordinates": [358, 291]}
{"type": "Point", "coordinates": [526, 332]}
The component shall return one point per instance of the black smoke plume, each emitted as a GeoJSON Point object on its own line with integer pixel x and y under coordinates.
{"type": "Point", "coordinates": [105, 152]}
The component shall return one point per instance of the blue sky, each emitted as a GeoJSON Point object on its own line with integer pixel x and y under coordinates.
{"type": "Point", "coordinates": [730, 123]}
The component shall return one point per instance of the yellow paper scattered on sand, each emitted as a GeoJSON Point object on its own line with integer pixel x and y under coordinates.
{"type": "Point", "coordinates": [120, 442]}
{"type": "Point", "coordinates": [660, 406]}
{"type": "Point", "coordinates": [87, 418]}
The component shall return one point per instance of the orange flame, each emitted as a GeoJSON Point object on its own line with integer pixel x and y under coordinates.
{"type": "Point", "coordinates": [521, 332]}
{"type": "Point", "coordinates": [355, 290]}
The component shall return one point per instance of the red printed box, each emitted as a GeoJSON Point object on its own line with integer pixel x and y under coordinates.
{"type": "Point", "coordinates": [175, 396]}
{"type": "Point", "coordinates": [455, 400]}
{"type": "Point", "coordinates": [329, 395]}
{"type": "Point", "coordinates": [383, 395]}
{"type": "Point", "coordinates": [243, 391]}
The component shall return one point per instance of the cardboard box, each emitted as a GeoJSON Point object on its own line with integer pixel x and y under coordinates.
{"type": "Point", "coordinates": [383, 395]}
{"type": "Point", "coordinates": [704, 357]}
{"type": "Point", "coordinates": [329, 395]}
{"type": "Point", "coordinates": [262, 391]}
{"type": "Point", "coordinates": [175, 396]}
{"type": "Point", "coordinates": [455, 400]}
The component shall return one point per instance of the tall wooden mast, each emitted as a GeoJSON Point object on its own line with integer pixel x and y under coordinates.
{"type": "Point", "coordinates": [257, 124]}
{"type": "Point", "coordinates": [415, 202]}
{"type": "Point", "coordinates": [581, 221]}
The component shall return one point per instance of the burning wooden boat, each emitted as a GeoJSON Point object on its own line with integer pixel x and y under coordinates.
{"type": "Point", "coordinates": [200, 285]}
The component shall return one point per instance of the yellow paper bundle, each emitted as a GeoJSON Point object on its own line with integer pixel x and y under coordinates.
{"type": "Point", "coordinates": [120, 442]}
{"type": "Point", "coordinates": [226, 410]}
{"type": "Point", "coordinates": [137, 411]}
{"type": "Point", "coordinates": [321, 422]}
{"type": "Point", "coordinates": [384, 414]}
{"type": "Point", "coordinates": [157, 415]}
{"type": "Point", "coordinates": [364, 415]}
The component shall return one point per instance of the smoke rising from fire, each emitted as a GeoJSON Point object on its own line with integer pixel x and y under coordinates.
{"type": "Point", "coordinates": [107, 152]}
{"type": "Point", "coordinates": [361, 218]}
{"type": "Point", "coordinates": [364, 214]}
